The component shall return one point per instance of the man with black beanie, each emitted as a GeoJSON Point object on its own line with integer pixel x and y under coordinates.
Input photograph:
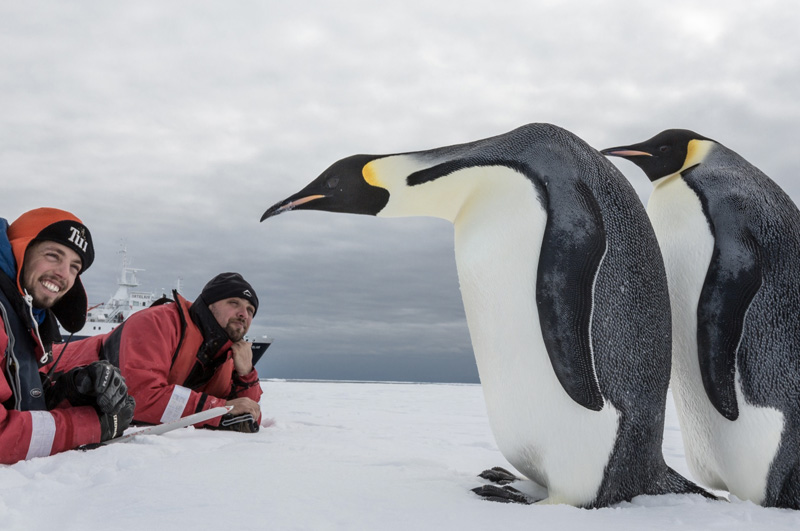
{"type": "Point", "coordinates": [180, 358]}
{"type": "Point", "coordinates": [44, 411]}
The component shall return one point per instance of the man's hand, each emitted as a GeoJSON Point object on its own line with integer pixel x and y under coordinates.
{"type": "Point", "coordinates": [244, 406]}
{"type": "Point", "coordinates": [104, 381]}
{"type": "Point", "coordinates": [112, 425]}
{"type": "Point", "coordinates": [240, 423]}
{"type": "Point", "coordinates": [244, 416]}
{"type": "Point", "coordinates": [99, 384]}
{"type": "Point", "coordinates": [242, 357]}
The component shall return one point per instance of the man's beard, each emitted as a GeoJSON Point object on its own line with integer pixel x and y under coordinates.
{"type": "Point", "coordinates": [235, 333]}
{"type": "Point", "coordinates": [48, 300]}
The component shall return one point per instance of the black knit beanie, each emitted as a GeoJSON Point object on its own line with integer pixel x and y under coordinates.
{"type": "Point", "coordinates": [73, 235]}
{"type": "Point", "coordinates": [227, 285]}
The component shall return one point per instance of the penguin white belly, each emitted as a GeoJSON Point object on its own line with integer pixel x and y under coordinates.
{"type": "Point", "coordinates": [723, 454]}
{"type": "Point", "coordinates": [540, 430]}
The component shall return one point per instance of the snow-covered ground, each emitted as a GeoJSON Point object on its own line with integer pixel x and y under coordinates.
{"type": "Point", "coordinates": [359, 456]}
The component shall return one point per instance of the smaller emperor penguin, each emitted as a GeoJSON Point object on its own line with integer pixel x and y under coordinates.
{"type": "Point", "coordinates": [730, 238]}
{"type": "Point", "coordinates": [565, 296]}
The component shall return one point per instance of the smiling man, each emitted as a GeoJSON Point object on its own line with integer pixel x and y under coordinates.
{"type": "Point", "coordinates": [42, 255]}
{"type": "Point", "coordinates": [180, 358]}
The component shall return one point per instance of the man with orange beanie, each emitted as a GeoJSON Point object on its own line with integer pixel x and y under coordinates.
{"type": "Point", "coordinates": [42, 254]}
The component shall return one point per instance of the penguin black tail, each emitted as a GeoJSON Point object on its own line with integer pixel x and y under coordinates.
{"type": "Point", "coordinates": [672, 482]}
{"type": "Point", "coordinates": [789, 496]}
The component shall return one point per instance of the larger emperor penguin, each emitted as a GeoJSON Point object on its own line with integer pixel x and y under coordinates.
{"type": "Point", "coordinates": [565, 296]}
{"type": "Point", "coordinates": [731, 244]}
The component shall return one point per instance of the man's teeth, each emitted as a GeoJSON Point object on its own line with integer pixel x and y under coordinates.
{"type": "Point", "coordinates": [51, 287]}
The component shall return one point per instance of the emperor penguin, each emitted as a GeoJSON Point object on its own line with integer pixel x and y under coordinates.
{"type": "Point", "coordinates": [730, 238]}
{"type": "Point", "coordinates": [565, 296]}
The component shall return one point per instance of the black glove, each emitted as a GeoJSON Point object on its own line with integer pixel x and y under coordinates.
{"type": "Point", "coordinates": [98, 384]}
{"type": "Point", "coordinates": [244, 423]}
{"type": "Point", "coordinates": [112, 425]}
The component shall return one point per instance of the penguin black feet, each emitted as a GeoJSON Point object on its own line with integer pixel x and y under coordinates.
{"type": "Point", "coordinates": [498, 475]}
{"type": "Point", "coordinates": [503, 494]}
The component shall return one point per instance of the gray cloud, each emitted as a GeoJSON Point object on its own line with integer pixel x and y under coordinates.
{"type": "Point", "coordinates": [174, 125]}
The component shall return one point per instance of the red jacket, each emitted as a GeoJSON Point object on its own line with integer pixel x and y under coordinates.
{"type": "Point", "coordinates": [156, 349]}
{"type": "Point", "coordinates": [28, 434]}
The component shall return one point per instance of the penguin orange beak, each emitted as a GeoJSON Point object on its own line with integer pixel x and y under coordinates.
{"type": "Point", "coordinates": [617, 152]}
{"type": "Point", "coordinates": [289, 204]}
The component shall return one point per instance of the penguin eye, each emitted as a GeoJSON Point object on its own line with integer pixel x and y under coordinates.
{"type": "Point", "coordinates": [663, 149]}
{"type": "Point", "coordinates": [332, 182]}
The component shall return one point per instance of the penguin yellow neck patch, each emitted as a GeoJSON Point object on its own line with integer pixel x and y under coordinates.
{"type": "Point", "coordinates": [370, 174]}
{"type": "Point", "coordinates": [696, 152]}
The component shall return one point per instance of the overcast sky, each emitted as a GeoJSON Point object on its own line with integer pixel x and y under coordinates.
{"type": "Point", "coordinates": [174, 125]}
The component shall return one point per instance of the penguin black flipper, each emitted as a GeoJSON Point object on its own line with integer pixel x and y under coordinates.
{"type": "Point", "coordinates": [573, 247]}
{"type": "Point", "coordinates": [732, 280]}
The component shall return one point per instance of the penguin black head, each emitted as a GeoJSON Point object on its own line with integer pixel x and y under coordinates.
{"type": "Point", "coordinates": [668, 152]}
{"type": "Point", "coordinates": [344, 187]}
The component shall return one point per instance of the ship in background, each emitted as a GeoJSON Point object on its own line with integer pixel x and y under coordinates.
{"type": "Point", "coordinates": [127, 300]}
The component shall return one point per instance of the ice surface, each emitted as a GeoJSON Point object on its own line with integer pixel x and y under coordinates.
{"type": "Point", "coordinates": [356, 456]}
